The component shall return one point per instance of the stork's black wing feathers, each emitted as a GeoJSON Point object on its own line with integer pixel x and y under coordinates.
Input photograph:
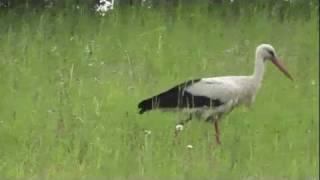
{"type": "Point", "coordinates": [177, 97]}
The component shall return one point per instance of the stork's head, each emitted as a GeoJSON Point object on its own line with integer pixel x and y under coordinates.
{"type": "Point", "coordinates": [266, 52]}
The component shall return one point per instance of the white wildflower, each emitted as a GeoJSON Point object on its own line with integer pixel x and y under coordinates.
{"type": "Point", "coordinates": [104, 6]}
{"type": "Point", "coordinates": [147, 132]}
{"type": "Point", "coordinates": [53, 49]}
{"type": "Point", "coordinates": [189, 146]}
{"type": "Point", "coordinates": [308, 131]}
{"type": "Point", "coordinates": [179, 127]}
{"type": "Point", "coordinates": [313, 82]}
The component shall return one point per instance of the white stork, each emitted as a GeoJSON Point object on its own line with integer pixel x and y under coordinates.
{"type": "Point", "coordinates": [211, 98]}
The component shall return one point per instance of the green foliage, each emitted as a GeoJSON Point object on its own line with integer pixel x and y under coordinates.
{"type": "Point", "coordinates": [71, 81]}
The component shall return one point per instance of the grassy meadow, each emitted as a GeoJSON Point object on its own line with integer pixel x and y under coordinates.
{"type": "Point", "coordinates": [70, 83]}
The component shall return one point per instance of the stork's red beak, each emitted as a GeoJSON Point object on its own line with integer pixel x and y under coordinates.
{"type": "Point", "coordinates": [281, 67]}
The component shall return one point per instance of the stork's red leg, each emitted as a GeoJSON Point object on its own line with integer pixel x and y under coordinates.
{"type": "Point", "coordinates": [216, 127]}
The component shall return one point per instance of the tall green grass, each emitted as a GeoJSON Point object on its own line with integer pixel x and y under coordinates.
{"type": "Point", "coordinates": [71, 81]}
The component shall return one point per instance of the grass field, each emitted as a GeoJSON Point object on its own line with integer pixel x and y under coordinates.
{"type": "Point", "coordinates": [70, 83]}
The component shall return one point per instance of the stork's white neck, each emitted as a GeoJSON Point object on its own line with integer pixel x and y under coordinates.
{"type": "Point", "coordinates": [258, 69]}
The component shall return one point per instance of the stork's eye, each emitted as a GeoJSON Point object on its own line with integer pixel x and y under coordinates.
{"type": "Point", "coordinates": [271, 53]}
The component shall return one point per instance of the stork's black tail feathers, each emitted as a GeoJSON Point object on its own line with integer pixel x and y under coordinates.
{"type": "Point", "coordinates": [145, 105]}
{"type": "Point", "coordinates": [172, 98]}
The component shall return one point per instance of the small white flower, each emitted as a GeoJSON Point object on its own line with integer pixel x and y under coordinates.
{"type": "Point", "coordinates": [147, 132]}
{"type": "Point", "coordinates": [179, 127]}
{"type": "Point", "coordinates": [54, 48]}
{"type": "Point", "coordinates": [308, 131]}
{"type": "Point", "coordinates": [104, 6]}
{"type": "Point", "coordinates": [95, 79]}
{"type": "Point", "coordinates": [313, 82]}
{"type": "Point", "coordinates": [189, 146]}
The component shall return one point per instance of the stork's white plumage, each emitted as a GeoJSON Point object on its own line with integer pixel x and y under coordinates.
{"type": "Point", "coordinates": [211, 98]}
